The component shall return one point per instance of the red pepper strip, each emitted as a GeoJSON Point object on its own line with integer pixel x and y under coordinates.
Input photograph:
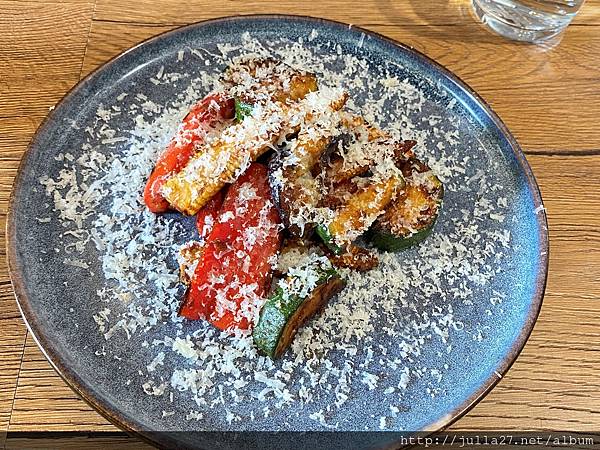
{"type": "Point", "coordinates": [208, 215]}
{"type": "Point", "coordinates": [233, 275]}
{"type": "Point", "coordinates": [207, 113]}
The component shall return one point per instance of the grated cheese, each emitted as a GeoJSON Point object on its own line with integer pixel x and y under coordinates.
{"type": "Point", "coordinates": [97, 199]}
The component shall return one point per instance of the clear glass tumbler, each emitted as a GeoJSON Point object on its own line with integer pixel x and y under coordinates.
{"type": "Point", "coordinates": [527, 20]}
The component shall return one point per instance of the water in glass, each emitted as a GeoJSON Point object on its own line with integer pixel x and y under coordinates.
{"type": "Point", "coordinates": [527, 20]}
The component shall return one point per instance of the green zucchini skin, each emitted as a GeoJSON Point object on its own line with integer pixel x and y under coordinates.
{"type": "Point", "coordinates": [381, 235]}
{"type": "Point", "coordinates": [280, 318]}
{"type": "Point", "coordinates": [273, 317]}
{"type": "Point", "coordinates": [384, 240]}
{"type": "Point", "coordinates": [323, 232]}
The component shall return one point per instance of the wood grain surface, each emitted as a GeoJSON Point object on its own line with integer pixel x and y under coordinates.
{"type": "Point", "coordinates": [549, 96]}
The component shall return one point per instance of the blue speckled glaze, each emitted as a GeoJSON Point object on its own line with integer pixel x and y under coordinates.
{"type": "Point", "coordinates": [47, 292]}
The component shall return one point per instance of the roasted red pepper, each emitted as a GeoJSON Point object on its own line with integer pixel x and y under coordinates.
{"type": "Point", "coordinates": [208, 215]}
{"type": "Point", "coordinates": [203, 115]}
{"type": "Point", "coordinates": [233, 275]}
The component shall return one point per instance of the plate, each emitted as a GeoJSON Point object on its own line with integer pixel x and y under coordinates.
{"type": "Point", "coordinates": [410, 347]}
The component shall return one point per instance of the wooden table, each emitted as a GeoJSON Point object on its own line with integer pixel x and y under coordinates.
{"type": "Point", "coordinates": [548, 97]}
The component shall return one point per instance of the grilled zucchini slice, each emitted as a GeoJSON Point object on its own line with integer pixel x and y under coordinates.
{"type": "Point", "coordinates": [285, 312]}
{"type": "Point", "coordinates": [411, 217]}
{"type": "Point", "coordinates": [357, 215]}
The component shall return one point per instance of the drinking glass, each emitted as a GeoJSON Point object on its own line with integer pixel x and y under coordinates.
{"type": "Point", "coordinates": [527, 20]}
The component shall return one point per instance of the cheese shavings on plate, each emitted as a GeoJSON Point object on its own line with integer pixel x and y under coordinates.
{"type": "Point", "coordinates": [376, 336]}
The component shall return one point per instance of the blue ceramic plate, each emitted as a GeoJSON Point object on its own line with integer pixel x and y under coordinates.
{"type": "Point", "coordinates": [408, 347]}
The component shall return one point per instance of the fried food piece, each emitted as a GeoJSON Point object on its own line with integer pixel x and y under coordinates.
{"type": "Point", "coordinates": [357, 215]}
{"type": "Point", "coordinates": [297, 191]}
{"type": "Point", "coordinates": [188, 257]}
{"type": "Point", "coordinates": [223, 160]}
{"type": "Point", "coordinates": [355, 258]}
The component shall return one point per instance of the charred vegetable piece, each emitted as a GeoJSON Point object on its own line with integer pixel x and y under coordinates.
{"type": "Point", "coordinates": [297, 190]}
{"type": "Point", "coordinates": [358, 136]}
{"type": "Point", "coordinates": [337, 172]}
{"type": "Point", "coordinates": [299, 86]}
{"type": "Point", "coordinates": [411, 217]}
{"type": "Point", "coordinates": [188, 257]}
{"type": "Point", "coordinates": [338, 194]}
{"type": "Point", "coordinates": [403, 155]}
{"type": "Point", "coordinates": [284, 313]}
{"type": "Point", "coordinates": [359, 127]}
{"type": "Point", "coordinates": [357, 215]}
{"type": "Point", "coordinates": [261, 76]}
{"type": "Point", "coordinates": [212, 110]}
{"type": "Point", "coordinates": [275, 166]}
{"type": "Point", "coordinates": [207, 216]}
{"type": "Point", "coordinates": [224, 159]}
{"type": "Point", "coordinates": [355, 258]}
{"type": "Point", "coordinates": [234, 271]}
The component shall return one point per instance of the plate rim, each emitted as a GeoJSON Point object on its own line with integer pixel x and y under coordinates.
{"type": "Point", "coordinates": [130, 425]}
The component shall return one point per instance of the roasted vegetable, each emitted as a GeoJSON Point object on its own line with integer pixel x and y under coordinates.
{"type": "Point", "coordinates": [222, 161]}
{"type": "Point", "coordinates": [266, 76]}
{"type": "Point", "coordinates": [355, 258]}
{"type": "Point", "coordinates": [207, 216]}
{"type": "Point", "coordinates": [296, 190]}
{"type": "Point", "coordinates": [359, 141]}
{"type": "Point", "coordinates": [338, 194]}
{"type": "Point", "coordinates": [405, 158]}
{"type": "Point", "coordinates": [362, 130]}
{"type": "Point", "coordinates": [234, 271]}
{"type": "Point", "coordinates": [411, 217]}
{"type": "Point", "coordinates": [357, 215]}
{"type": "Point", "coordinates": [211, 111]}
{"type": "Point", "coordinates": [285, 312]}
{"type": "Point", "coordinates": [337, 172]}
{"type": "Point", "coordinates": [188, 256]}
